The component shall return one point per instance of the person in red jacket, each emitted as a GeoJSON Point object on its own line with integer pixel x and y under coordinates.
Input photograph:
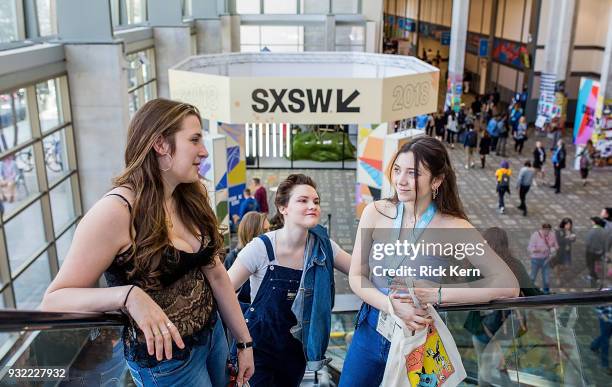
{"type": "Point", "coordinates": [260, 194]}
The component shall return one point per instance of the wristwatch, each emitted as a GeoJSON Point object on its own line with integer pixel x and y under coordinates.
{"type": "Point", "coordinates": [246, 345]}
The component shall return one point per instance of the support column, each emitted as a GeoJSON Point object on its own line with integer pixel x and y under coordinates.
{"type": "Point", "coordinates": [98, 93]}
{"type": "Point", "coordinates": [558, 41]}
{"type": "Point", "coordinates": [371, 44]}
{"type": "Point", "coordinates": [492, 25]}
{"type": "Point", "coordinates": [556, 62]}
{"type": "Point", "coordinates": [205, 14]}
{"type": "Point", "coordinates": [330, 33]}
{"type": "Point", "coordinates": [230, 33]}
{"type": "Point", "coordinates": [605, 81]}
{"type": "Point", "coordinates": [532, 45]}
{"type": "Point", "coordinates": [459, 23]}
{"type": "Point", "coordinates": [172, 39]}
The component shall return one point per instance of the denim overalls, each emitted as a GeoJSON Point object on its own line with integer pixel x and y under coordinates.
{"type": "Point", "coordinates": [279, 357]}
{"type": "Point", "coordinates": [367, 355]}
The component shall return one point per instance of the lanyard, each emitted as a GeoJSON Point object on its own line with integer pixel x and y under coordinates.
{"type": "Point", "coordinates": [420, 226]}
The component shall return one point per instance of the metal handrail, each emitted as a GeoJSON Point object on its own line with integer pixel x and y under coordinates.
{"type": "Point", "coordinates": [28, 320]}
{"type": "Point", "coordinates": [600, 297]}
{"type": "Point", "coordinates": [12, 320]}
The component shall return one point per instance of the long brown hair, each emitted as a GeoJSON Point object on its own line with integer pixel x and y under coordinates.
{"type": "Point", "coordinates": [251, 225]}
{"type": "Point", "coordinates": [432, 155]}
{"type": "Point", "coordinates": [149, 233]}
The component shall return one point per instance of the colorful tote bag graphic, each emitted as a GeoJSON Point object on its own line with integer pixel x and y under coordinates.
{"type": "Point", "coordinates": [428, 359]}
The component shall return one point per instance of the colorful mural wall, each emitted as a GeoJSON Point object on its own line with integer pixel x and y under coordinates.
{"type": "Point", "coordinates": [236, 164]}
{"type": "Point", "coordinates": [214, 175]}
{"type": "Point", "coordinates": [369, 164]}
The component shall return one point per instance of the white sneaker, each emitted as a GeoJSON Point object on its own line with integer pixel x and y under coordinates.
{"type": "Point", "coordinates": [472, 165]}
{"type": "Point", "coordinates": [467, 166]}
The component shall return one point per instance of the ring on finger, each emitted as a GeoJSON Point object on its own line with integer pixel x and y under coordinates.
{"type": "Point", "coordinates": [169, 324]}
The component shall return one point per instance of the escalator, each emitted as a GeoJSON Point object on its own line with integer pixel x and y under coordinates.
{"type": "Point", "coordinates": [537, 341]}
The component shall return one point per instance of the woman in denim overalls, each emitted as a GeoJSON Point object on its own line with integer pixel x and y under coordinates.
{"type": "Point", "coordinates": [291, 272]}
{"type": "Point", "coordinates": [425, 198]}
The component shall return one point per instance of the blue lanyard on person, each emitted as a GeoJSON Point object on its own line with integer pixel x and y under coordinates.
{"type": "Point", "coordinates": [418, 229]}
{"type": "Point", "coordinates": [385, 326]}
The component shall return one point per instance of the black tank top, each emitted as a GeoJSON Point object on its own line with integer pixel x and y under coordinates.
{"type": "Point", "coordinates": [183, 292]}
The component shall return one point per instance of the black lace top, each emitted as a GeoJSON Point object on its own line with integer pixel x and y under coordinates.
{"type": "Point", "coordinates": [185, 295]}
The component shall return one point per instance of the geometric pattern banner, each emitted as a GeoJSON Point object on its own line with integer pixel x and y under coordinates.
{"type": "Point", "coordinates": [369, 164]}
{"type": "Point", "coordinates": [213, 170]}
{"type": "Point", "coordinates": [236, 164]}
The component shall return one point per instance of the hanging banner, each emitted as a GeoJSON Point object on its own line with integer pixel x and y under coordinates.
{"type": "Point", "coordinates": [317, 88]}
{"type": "Point", "coordinates": [546, 103]}
{"type": "Point", "coordinates": [588, 105]}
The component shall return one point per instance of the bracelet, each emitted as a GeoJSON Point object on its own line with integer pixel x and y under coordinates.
{"type": "Point", "coordinates": [246, 345]}
{"type": "Point", "coordinates": [128, 294]}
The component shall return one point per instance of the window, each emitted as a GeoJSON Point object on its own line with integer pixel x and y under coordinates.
{"type": "Point", "coordinates": [15, 125]}
{"type": "Point", "coordinates": [314, 7]}
{"type": "Point", "coordinates": [142, 85]}
{"type": "Point", "coordinates": [247, 6]}
{"type": "Point", "coordinates": [45, 12]}
{"type": "Point", "coordinates": [345, 6]}
{"type": "Point", "coordinates": [9, 31]}
{"type": "Point", "coordinates": [350, 38]}
{"type": "Point", "coordinates": [136, 11]}
{"type": "Point", "coordinates": [38, 187]}
{"type": "Point", "coordinates": [272, 38]}
{"type": "Point", "coordinates": [280, 7]}
{"type": "Point", "coordinates": [49, 104]}
{"type": "Point", "coordinates": [126, 12]}
{"type": "Point", "coordinates": [186, 5]}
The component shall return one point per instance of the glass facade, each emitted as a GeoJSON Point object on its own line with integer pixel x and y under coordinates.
{"type": "Point", "coordinates": [142, 84]}
{"type": "Point", "coordinates": [9, 30]}
{"type": "Point", "coordinates": [38, 188]}
{"type": "Point", "coordinates": [255, 38]}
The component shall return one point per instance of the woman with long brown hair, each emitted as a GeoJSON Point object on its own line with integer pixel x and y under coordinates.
{"type": "Point", "coordinates": [155, 238]}
{"type": "Point", "coordinates": [425, 201]}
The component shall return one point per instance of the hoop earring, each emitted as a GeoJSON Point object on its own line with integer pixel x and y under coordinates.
{"type": "Point", "coordinates": [169, 165]}
{"type": "Point", "coordinates": [435, 193]}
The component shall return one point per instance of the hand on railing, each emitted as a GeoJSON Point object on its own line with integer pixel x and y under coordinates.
{"type": "Point", "coordinates": [159, 331]}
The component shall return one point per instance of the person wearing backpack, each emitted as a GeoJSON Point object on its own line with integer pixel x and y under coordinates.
{"type": "Point", "coordinates": [558, 160]}
{"type": "Point", "coordinates": [469, 143]}
{"type": "Point", "coordinates": [502, 175]}
{"type": "Point", "coordinates": [586, 161]}
{"type": "Point", "coordinates": [502, 133]}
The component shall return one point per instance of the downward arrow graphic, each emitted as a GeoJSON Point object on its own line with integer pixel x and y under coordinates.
{"type": "Point", "coordinates": [343, 106]}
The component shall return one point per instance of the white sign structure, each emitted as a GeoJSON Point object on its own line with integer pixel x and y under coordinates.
{"type": "Point", "coordinates": [306, 88]}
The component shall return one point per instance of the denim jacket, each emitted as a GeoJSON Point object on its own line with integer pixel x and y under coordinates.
{"type": "Point", "coordinates": [315, 299]}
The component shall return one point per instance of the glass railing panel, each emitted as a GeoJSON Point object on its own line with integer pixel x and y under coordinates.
{"type": "Point", "coordinates": [71, 357]}
{"type": "Point", "coordinates": [542, 346]}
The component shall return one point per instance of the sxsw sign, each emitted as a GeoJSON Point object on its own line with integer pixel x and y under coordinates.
{"type": "Point", "coordinates": [305, 100]}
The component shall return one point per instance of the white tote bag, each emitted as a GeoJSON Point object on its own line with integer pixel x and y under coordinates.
{"type": "Point", "coordinates": [428, 359]}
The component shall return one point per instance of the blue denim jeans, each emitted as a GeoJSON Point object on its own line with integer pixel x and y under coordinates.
{"type": "Point", "coordinates": [205, 366]}
{"type": "Point", "coordinates": [602, 343]}
{"type": "Point", "coordinates": [367, 355]}
{"type": "Point", "coordinates": [538, 264]}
